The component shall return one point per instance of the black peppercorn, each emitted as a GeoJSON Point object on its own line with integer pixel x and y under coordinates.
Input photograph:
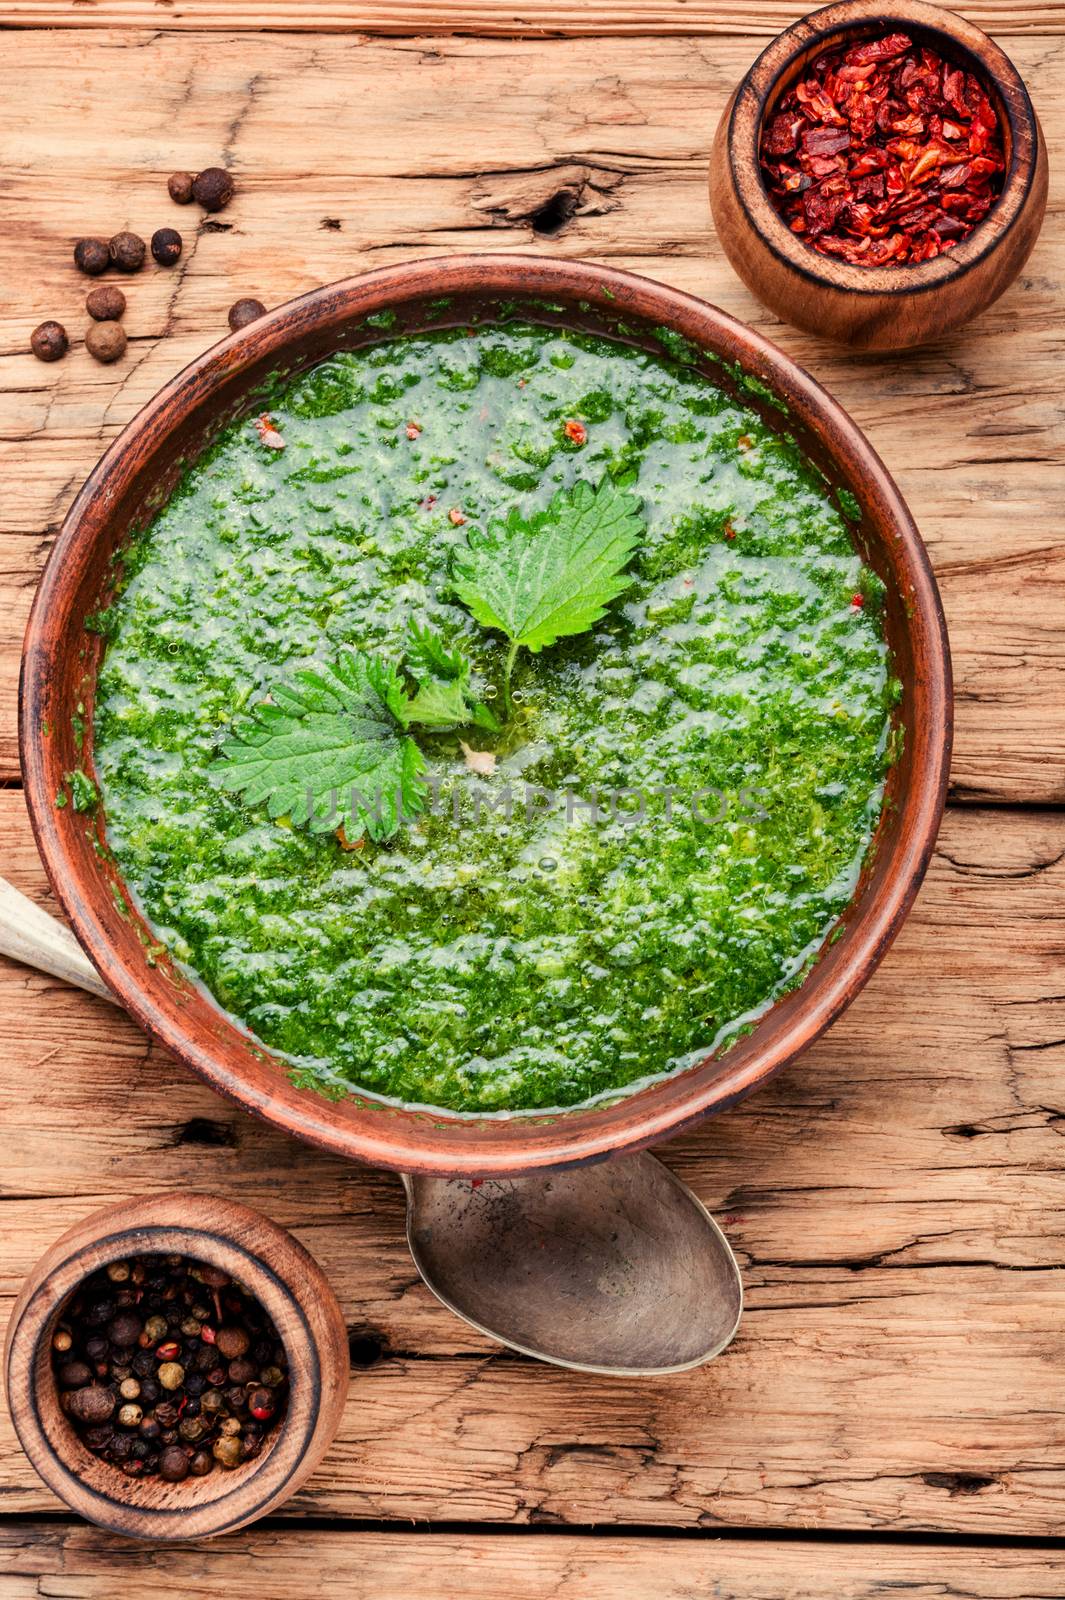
{"type": "Point", "coordinates": [49, 341]}
{"type": "Point", "coordinates": [124, 1329]}
{"type": "Point", "coordinates": [105, 341]}
{"type": "Point", "coordinates": [179, 187]}
{"type": "Point", "coordinates": [241, 312]}
{"type": "Point", "coordinates": [105, 303]}
{"type": "Point", "coordinates": [212, 188]}
{"type": "Point", "coordinates": [74, 1374]}
{"type": "Point", "coordinates": [127, 251]}
{"type": "Point", "coordinates": [91, 256]}
{"type": "Point", "coordinates": [173, 1464]}
{"type": "Point", "coordinates": [166, 246]}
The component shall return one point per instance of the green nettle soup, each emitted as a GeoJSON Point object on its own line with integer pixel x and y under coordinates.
{"type": "Point", "coordinates": [499, 720]}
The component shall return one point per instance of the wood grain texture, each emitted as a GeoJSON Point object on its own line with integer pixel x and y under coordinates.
{"type": "Point", "coordinates": [364, 134]}
{"type": "Point", "coordinates": [894, 1200]}
{"type": "Point", "coordinates": [40, 1560]}
{"type": "Point", "coordinates": [535, 18]}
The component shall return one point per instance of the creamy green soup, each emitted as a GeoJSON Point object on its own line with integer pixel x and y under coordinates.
{"type": "Point", "coordinates": [671, 810]}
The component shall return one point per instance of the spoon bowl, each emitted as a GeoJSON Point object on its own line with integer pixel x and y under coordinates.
{"type": "Point", "coordinates": [616, 1268]}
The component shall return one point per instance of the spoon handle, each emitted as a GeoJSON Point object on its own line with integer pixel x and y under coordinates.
{"type": "Point", "coordinates": [35, 938]}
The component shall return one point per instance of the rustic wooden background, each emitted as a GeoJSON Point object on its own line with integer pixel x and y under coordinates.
{"type": "Point", "coordinates": [891, 1416]}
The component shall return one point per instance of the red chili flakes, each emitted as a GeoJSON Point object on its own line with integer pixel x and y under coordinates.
{"type": "Point", "coordinates": [429, 502]}
{"type": "Point", "coordinates": [745, 442]}
{"type": "Point", "coordinates": [730, 532]}
{"type": "Point", "coordinates": [413, 429]}
{"type": "Point", "coordinates": [575, 431]}
{"type": "Point", "coordinates": [268, 433]}
{"type": "Point", "coordinates": [455, 517]}
{"type": "Point", "coordinates": [884, 153]}
{"type": "Point", "coordinates": [857, 601]}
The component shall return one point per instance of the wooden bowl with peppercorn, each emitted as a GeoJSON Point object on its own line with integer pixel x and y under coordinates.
{"type": "Point", "coordinates": [176, 1366]}
{"type": "Point", "coordinates": [879, 178]}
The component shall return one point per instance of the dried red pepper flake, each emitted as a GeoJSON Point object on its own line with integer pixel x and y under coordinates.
{"type": "Point", "coordinates": [575, 431]}
{"type": "Point", "coordinates": [883, 153]}
{"type": "Point", "coordinates": [857, 601]}
{"type": "Point", "coordinates": [268, 433]}
{"type": "Point", "coordinates": [413, 429]}
{"type": "Point", "coordinates": [456, 517]}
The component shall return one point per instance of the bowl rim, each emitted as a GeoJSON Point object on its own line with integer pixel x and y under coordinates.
{"type": "Point", "coordinates": [829, 25]}
{"type": "Point", "coordinates": [419, 1139]}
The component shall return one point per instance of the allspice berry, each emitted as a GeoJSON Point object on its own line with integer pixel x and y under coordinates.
{"type": "Point", "coordinates": [49, 341]}
{"type": "Point", "coordinates": [105, 303]}
{"type": "Point", "coordinates": [105, 341]}
{"type": "Point", "coordinates": [173, 1464]}
{"type": "Point", "coordinates": [92, 1405]}
{"type": "Point", "coordinates": [212, 188]}
{"type": "Point", "coordinates": [92, 256]}
{"type": "Point", "coordinates": [231, 1342]}
{"type": "Point", "coordinates": [166, 246]}
{"type": "Point", "coordinates": [241, 312]}
{"type": "Point", "coordinates": [127, 252]}
{"type": "Point", "coordinates": [179, 187]}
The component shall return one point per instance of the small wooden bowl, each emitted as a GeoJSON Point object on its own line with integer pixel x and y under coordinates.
{"type": "Point", "coordinates": [875, 308]}
{"type": "Point", "coordinates": [272, 1266]}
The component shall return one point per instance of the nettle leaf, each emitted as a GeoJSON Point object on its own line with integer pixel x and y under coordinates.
{"type": "Point", "coordinates": [544, 578]}
{"type": "Point", "coordinates": [330, 749]}
{"type": "Point", "coordinates": [446, 696]}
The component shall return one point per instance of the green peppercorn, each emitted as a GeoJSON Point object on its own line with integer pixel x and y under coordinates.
{"type": "Point", "coordinates": [211, 1401]}
{"type": "Point", "coordinates": [273, 1377]}
{"type": "Point", "coordinates": [190, 1328]}
{"type": "Point", "coordinates": [230, 1427]}
{"type": "Point", "coordinates": [155, 1328]}
{"type": "Point", "coordinates": [192, 1429]}
{"type": "Point", "coordinates": [228, 1452]}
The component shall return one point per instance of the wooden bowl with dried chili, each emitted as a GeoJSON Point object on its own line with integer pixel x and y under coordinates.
{"type": "Point", "coordinates": [879, 177]}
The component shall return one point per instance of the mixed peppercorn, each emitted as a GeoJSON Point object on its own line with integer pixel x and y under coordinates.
{"type": "Point", "coordinates": [166, 1367]}
{"type": "Point", "coordinates": [883, 153]}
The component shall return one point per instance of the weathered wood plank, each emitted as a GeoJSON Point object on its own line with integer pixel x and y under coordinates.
{"type": "Point", "coordinates": [895, 1200]}
{"type": "Point", "coordinates": [536, 18]}
{"type": "Point", "coordinates": [971, 426]}
{"type": "Point", "coordinates": [41, 1560]}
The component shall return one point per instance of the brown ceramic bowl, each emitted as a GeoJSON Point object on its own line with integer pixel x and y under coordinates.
{"type": "Point", "coordinates": [138, 472]}
{"type": "Point", "coordinates": [285, 1280]}
{"type": "Point", "coordinates": [875, 308]}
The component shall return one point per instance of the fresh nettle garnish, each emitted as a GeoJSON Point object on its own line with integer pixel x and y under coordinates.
{"type": "Point", "coordinates": [446, 695]}
{"type": "Point", "coordinates": [552, 575]}
{"type": "Point", "coordinates": [332, 748]}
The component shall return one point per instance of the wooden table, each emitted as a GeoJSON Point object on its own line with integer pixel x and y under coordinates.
{"type": "Point", "coordinates": [892, 1414]}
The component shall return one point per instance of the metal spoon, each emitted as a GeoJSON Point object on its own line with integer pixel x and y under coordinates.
{"type": "Point", "coordinates": [615, 1268]}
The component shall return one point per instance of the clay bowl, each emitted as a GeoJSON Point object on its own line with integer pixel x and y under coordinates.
{"type": "Point", "coordinates": [875, 308]}
{"type": "Point", "coordinates": [272, 1266]}
{"type": "Point", "coordinates": [139, 470]}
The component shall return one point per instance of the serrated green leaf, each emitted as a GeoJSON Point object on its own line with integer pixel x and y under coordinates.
{"type": "Point", "coordinates": [330, 749]}
{"type": "Point", "coordinates": [542, 579]}
{"type": "Point", "coordinates": [447, 695]}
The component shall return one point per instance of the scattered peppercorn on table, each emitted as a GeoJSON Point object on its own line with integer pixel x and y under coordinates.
{"type": "Point", "coordinates": [895, 1197]}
